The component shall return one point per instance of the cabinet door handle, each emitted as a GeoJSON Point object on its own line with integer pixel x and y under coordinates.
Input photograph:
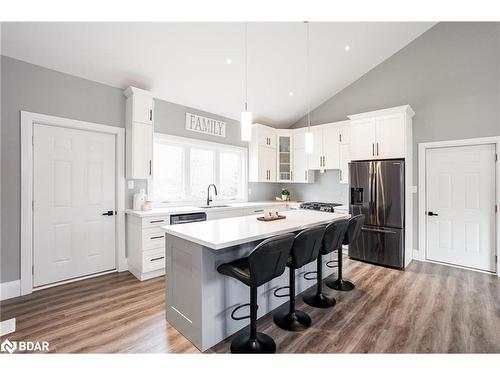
{"type": "Point", "coordinates": [150, 167]}
{"type": "Point", "coordinates": [155, 237]}
{"type": "Point", "coordinates": [305, 175]}
{"type": "Point", "coordinates": [373, 149]}
{"type": "Point", "coordinates": [155, 259]}
{"type": "Point", "coordinates": [324, 161]}
{"type": "Point", "coordinates": [340, 138]}
{"type": "Point", "coordinates": [291, 175]}
{"type": "Point", "coordinates": [150, 115]}
{"type": "Point", "coordinates": [156, 221]}
{"type": "Point", "coordinates": [340, 174]}
{"type": "Point", "coordinates": [377, 149]}
{"type": "Point", "coordinates": [258, 211]}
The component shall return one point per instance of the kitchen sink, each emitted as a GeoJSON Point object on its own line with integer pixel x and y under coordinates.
{"type": "Point", "coordinates": [215, 206]}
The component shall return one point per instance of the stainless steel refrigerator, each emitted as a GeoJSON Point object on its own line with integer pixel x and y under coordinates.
{"type": "Point", "coordinates": [377, 190]}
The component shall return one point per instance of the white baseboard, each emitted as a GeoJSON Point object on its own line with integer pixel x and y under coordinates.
{"type": "Point", "coordinates": [416, 254]}
{"type": "Point", "coordinates": [10, 289]}
{"type": "Point", "coordinates": [7, 326]}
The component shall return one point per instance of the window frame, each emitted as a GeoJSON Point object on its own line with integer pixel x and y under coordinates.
{"type": "Point", "coordinates": [217, 148]}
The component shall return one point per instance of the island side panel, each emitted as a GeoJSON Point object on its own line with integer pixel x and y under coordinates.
{"type": "Point", "coordinates": [184, 287]}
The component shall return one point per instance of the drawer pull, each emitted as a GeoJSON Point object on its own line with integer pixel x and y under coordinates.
{"type": "Point", "coordinates": [156, 221]}
{"type": "Point", "coordinates": [155, 259]}
{"type": "Point", "coordinates": [258, 211]}
{"type": "Point", "coordinates": [156, 237]}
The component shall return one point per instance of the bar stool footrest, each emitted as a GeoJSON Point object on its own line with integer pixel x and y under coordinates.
{"type": "Point", "coordinates": [306, 275]}
{"type": "Point", "coordinates": [240, 317]}
{"type": "Point", "coordinates": [330, 264]}
{"type": "Point", "coordinates": [281, 295]}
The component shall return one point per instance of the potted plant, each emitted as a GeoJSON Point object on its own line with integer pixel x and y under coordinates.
{"type": "Point", "coordinates": [285, 194]}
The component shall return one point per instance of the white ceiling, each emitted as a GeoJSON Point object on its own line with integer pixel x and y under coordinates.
{"type": "Point", "coordinates": [185, 63]}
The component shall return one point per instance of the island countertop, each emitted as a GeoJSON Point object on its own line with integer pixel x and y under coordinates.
{"type": "Point", "coordinates": [222, 233]}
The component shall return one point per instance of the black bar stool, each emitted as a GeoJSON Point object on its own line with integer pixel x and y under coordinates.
{"type": "Point", "coordinates": [267, 261]}
{"type": "Point", "coordinates": [305, 249]}
{"type": "Point", "coordinates": [332, 240]}
{"type": "Point", "coordinates": [353, 231]}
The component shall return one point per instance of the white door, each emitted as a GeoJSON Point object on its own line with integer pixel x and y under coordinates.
{"type": "Point", "coordinates": [460, 186]}
{"type": "Point", "coordinates": [362, 139]}
{"type": "Point", "coordinates": [267, 164]}
{"type": "Point", "coordinates": [331, 147]}
{"type": "Point", "coordinates": [74, 184]}
{"type": "Point", "coordinates": [390, 143]}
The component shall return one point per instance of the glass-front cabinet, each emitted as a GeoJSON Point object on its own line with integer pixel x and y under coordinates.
{"type": "Point", "coordinates": [284, 156]}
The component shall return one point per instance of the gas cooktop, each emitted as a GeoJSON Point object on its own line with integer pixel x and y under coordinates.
{"type": "Point", "coordinates": [319, 206]}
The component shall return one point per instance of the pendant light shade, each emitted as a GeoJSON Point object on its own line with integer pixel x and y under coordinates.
{"type": "Point", "coordinates": [246, 116]}
{"type": "Point", "coordinates": [308, 140]}
{"type": "Point", "coordinates": [246, 126]}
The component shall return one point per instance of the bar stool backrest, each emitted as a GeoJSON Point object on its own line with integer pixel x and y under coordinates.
{"type": "Point", "coordinates": [307, 245]}
{"type": "Point", "coordinates": [334, 236]}
{"type": "Point", "coordinates": [354, 228]}
{"type": "Point", "coordinates": [268, 260]}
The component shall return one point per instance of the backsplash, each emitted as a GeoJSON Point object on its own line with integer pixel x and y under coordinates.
{"type": "Point", "coordinates": [326, 188]}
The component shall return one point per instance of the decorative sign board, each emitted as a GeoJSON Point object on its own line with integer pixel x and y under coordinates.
{"type": "Point", "coordinates": [205, 125]}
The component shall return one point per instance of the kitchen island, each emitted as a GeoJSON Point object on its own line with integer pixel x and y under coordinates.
{"type": "Point", "coordinates": [199, 300]}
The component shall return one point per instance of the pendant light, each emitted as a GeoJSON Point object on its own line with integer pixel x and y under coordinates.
{"type": "Point", "coordinates": [308, 141]}
{"type": "Point", "coordinates": [246, 116]}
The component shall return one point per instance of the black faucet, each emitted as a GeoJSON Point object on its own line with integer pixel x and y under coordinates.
{"type": "Point", "coordinates": [208, 193]}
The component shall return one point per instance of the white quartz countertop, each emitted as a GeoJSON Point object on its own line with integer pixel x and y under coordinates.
{"type": "Point", "coordinates": [187, 209]}
{"type": "Point", "coordinates": [222, 233]}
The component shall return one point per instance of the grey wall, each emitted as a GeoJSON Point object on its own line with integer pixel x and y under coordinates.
{"type": "Point", "coordinates": [27, 87]}
{"type": "Point", "coordinates": [326, 188]}
{"type": "Point", "coordinates": [450, 76]}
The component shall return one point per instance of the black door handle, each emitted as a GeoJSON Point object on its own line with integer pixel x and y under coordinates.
{"type": "Point", "coordinates": [109, 213]}
{"type": "Point", "coordinates": [430, 213]}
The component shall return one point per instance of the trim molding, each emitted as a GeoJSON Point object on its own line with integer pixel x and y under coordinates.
{"type": "Point", "coordinates": [7, 326]}
{"type": "Point", "coordinates": [422, 203]}
{"type": "Point", "coordinates": [28, 119]}
{"type": "Point", "coordinates": [10, 289]}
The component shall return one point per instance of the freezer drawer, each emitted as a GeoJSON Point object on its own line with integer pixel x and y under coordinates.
{"type": "Point", "coordinates": [379, 245]}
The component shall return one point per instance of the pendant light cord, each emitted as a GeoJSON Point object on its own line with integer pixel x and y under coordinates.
{"type": "Point", "coordinates": [308, 78]}
{"type": "Point", "coordinates": [246, 67]}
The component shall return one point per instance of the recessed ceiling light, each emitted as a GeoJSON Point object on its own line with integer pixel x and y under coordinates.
{"type": "Point", "coordinates": [290, 93]}
{"type": "Point", "coordinates": [347, 48]}
{"type": "Point", "coordinates": [229, 61]}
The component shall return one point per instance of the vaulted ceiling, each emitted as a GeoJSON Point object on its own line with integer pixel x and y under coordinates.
{"type": "Point", "coordinates": [201, 65]}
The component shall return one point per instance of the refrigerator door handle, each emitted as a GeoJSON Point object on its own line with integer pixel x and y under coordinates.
{"type": "Point", "coordinates": [365, 229]}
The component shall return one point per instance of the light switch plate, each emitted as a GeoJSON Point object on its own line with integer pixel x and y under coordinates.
{"type": "Point", "coordinates": [130, 184]}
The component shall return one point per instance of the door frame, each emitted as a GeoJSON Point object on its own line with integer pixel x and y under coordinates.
{"type": "Point", "coordinates": [28, 119]}
{"type": "Point", "coordinates": [422, 196]}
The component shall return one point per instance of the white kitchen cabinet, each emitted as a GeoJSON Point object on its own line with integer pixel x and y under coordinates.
{"type": "Point", "coordinates": [139, 133]}
{"type": "Point", "coordinates": [301, 172]}
{"type": "Point", "coordinates": [284, 155]}
{"type": "Point", "coordinates": [363, 139]}
{"type": "Point", "coordinates": [326, 145]}
{"type": "Point", "coordinates": [381, 134]}
{"type": "Point", "coordinates": [344, 134]}
{"type": "Point", "coordinates": [344, 159]}
{"type": "Point", "coordinates": [262, 154]}
{"type": "Point", "coordinates": [331, 146]}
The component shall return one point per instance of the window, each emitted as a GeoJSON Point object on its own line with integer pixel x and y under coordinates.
{"type": "Point", "coordinates": [183, 169]}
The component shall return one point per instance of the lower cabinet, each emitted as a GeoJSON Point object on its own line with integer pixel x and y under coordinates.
{"type": "Point", "coordinates": [146, 239]}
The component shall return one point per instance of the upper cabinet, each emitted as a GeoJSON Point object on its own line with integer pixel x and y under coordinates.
{"type": "Point", "coordinates": [301, 172]}
{"type": "Point", "coordinates": [262, 154]}
{"type": "Point", "coordinates": [139, 113]}
{"type": "Point", "coordinates": [383, 134]}
{"type": "Point", "coordinates": [326, 145]}
{"type": "Point", "coordinates": [284, 155]}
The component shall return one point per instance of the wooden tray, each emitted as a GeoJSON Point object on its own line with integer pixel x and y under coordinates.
{"type": "Point", "coordinates": [263, 218]}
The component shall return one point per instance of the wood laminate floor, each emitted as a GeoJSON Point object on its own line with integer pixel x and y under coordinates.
{"type": "Point", "coordinates": [427, 308]}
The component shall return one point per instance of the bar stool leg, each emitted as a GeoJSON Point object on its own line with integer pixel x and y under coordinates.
{"type": "Point", "coordinates": [292, 320]}
{"type": "Point", "coordinates": [253, 342]}
{"type": "Point", "coordinates": [340, 284]}
{"type": "Point", "coordinates": [319, 299]}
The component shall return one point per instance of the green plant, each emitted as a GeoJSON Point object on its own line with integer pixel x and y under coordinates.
{"type": "Point", "coordinates": [285, 192]}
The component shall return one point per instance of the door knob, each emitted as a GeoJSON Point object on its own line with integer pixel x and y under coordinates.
{"type": "Point", "coordinates": [430, 213]}
{"type": "Point", "coordinates": [109, 213]}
